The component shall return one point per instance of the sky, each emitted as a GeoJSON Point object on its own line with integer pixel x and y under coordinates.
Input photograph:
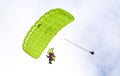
{"type": "Point", "coordinates": [96, 27]}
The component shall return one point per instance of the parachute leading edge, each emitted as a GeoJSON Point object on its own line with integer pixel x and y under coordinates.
{"type": "Point", "coordinates": [44, 29]}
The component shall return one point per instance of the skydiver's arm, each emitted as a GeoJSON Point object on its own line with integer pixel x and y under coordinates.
{"type": "Point", "coordinates": [47, 56]}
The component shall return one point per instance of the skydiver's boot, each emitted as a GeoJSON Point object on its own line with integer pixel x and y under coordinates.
{"type": "Point", "coordinates": [50, 61]}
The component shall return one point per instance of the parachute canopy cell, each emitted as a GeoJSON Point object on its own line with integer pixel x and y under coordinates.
{"type": "Point", "coordinates": [44, 29]}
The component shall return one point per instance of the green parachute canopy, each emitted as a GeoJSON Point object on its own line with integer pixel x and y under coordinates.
{"type": "Point", "coordinates": [44, 29]}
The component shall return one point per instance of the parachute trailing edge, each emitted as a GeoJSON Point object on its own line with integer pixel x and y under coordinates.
{"type": "Point", "coordinates": [44, 29]}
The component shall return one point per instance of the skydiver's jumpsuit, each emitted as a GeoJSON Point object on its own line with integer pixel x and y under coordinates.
{"type": "Point", "coordinates": [51, 57]}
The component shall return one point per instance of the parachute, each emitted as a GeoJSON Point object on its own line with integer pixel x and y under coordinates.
{"type": "Point", "coordinates": [44, 29]}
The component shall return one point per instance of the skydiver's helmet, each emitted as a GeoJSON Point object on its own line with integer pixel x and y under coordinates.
{"type": "Point", "coordinates": [50, 50]}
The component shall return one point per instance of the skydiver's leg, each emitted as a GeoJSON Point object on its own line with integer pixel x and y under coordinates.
{"type": "Point", "coordinates": [53, 59]}
{"type": "Point", "coordinates": [50, 61]}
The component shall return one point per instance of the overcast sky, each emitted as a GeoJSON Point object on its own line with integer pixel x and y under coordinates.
{"type": "Point", "coordinates": [96, 27]}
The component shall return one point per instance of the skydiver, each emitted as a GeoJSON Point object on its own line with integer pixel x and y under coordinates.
{"type": "Point", "coordinates": [51, 55]}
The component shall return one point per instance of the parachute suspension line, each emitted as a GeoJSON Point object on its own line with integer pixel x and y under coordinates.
{"type": "Point", "coordinates": [91, 52]}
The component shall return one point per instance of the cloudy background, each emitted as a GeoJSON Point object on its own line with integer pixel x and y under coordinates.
{"type": "Point", "coordinates": [96, 27]}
